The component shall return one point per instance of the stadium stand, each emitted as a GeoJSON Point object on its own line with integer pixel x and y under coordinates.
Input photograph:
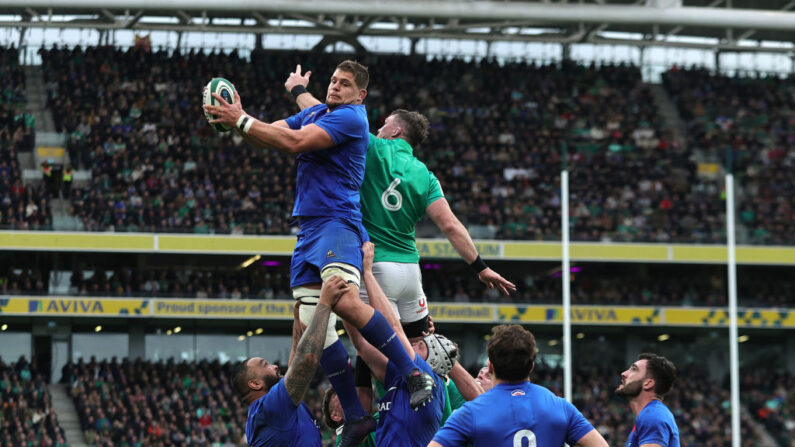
{"type": "Point", "coordinates": [23, 205]}
{"type": "Point", "coordinates": [26, 414]}
{"type": "Point", "coordinates": [770, 398]}
{"type": "Point", "coordinates": [176, 403]}
{"type": "Point", "coordinates": [751, 119]}
{"type": "Point", "coordinates": [593, 284]}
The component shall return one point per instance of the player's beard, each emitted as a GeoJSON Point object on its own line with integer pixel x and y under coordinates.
{"type": "Point", "coordinates": [335, 103]}
{"type": "Point", "coordinates": [630, 389]}
{"type": "Point", "coordinates": [271, 380]}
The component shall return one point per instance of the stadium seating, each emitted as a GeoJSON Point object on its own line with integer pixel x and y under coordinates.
{"type": "Point", "coordinates": [449, 282]}
{"type": "Point", "coordinates": [126, 403]}
{"type": "Point", "coordinates": [23, 205]}
{"type": "Point", "coordinates": [26, 414]}
{"type": "Point", "coordinates": [751, 119]}
{"type": "Point", "coordinates": [770, 397]}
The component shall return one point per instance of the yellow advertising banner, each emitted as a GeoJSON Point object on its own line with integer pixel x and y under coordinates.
{"type": "Point", "coordinates": [580, 314]}
{"type": "Point", "coordinates": [480, 313]}
{"type": "Point", "coordinates": [441, 312]}
{"type": "Point", "coordinates": [719, 317]}
{"type": "Point", "coordinates": [528, 314]}
{"type": "Point", "coordinates": [74, 306]}
{"type": "Point", "coordinates": [428, 248]}
{"type": "Point", "coordinates": [201, 308]}
{"type": "Point", "coordinates": [443, 249]}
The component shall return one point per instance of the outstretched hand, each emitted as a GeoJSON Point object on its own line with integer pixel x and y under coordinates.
{"type": "Point", "coordinates": [333, 288]}
{"type": "Point", "coordinates": [368, 253]}
{"type": "Point", "coordinates": [493, 279]}
{"type": "Point", "coordinates": [224, 112]}
{"type": "Point", "coordinates": [296, 78]}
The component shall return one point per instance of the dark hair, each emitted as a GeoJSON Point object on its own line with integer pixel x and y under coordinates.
{"type": "Point", "coordinates": [360, 74]}
{"type": "Point", "coordinates": [240, 379]}
{"type": "Point", "coordinates": [661, 370]}
{"type": "Point", "coordinates": [512, 351]}
{"type": "Point", "coordinates": [330, 423]}
{"type": "Point", "coordinates": [415, 126]}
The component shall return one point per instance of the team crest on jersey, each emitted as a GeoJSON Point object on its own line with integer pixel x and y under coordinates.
{"type": "Point", "coordinates": [517, 393]}
{"type": "Point", "coordinates": [330, 254]}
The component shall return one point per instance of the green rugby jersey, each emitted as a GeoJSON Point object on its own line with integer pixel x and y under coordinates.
{"type": "Point", "coordinates": [397, 189]}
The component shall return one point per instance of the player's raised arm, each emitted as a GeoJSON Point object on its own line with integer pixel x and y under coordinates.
{"type": "Point", "coordinates": [298, 331]}
{"type": "Point", "coordinates": [378, 298]}
{"type": "Point", "coordinates": [263, 135]}
{"type": "Point", "coordinates": [441, 214]}
{"type": "Point", "coordinates": [296, 84]}
{"type": "Point", "coordinates": [307, 353]}
{"type": "Point", "coordinates": [466, 384]}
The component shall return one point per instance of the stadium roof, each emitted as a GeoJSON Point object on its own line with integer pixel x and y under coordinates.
{"type": "Point", "coordinates": [726, 25]}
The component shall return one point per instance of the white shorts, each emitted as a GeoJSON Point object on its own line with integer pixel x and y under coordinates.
{"type": "Point", "coordinates": [402, 285]}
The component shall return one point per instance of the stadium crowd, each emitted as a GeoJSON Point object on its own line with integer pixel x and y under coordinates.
{"type": "Point", "coordinates": [156, 165]}
{"type": "Point", "coordinates": [452, 282]}
{"type": "Point", "coordinates": [26, 415]}
{"type": "Point", "coordinates": [132, 403]}
{"type": "Point", "coordinates": [751, 119]}
{"type": "Point", "coordinates": [770, 397]}
{"type": "Point", "coordinates": [22, 206]}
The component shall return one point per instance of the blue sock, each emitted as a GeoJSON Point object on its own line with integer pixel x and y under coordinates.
{"type": "Point", "coordinates": [380, 334]}
{"type": "Point", "coordinates": [337, 366]}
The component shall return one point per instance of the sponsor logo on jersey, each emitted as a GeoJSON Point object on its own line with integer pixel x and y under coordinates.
{"type": "Point", "coordinates": [422, 302]}
{"type": "Point", "coordinates": [517, 393]}
{"type": "Point", "coordinates": [330, 254]}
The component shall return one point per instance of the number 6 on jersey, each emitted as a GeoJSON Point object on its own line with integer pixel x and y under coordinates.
{"type": "Point", "coordinates": [391, 192]}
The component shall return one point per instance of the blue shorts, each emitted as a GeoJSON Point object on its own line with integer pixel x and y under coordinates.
{"type": "Point", "coordinates": [321, 241]}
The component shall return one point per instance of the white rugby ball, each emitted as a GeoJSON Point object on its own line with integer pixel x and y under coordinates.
{"type": "Point", "coordinates": [226, 90]}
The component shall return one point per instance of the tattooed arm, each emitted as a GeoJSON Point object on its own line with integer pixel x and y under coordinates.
{"type": "Point", "coordinates": [310, 348]}
{"type": "Point", "coordinates": [298, 331]}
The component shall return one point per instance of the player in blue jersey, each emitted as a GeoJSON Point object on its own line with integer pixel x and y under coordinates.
{"type": "Point", "coordinates": [330, 141]}
{"type": "Point", "coordinates": [644, 384]}
{"type": "Point", "coordinates": [398, 423]}
{"type": "Point", "coordinates": [516, 412]}
{"type": "Point", "coordinates": [276, 415]}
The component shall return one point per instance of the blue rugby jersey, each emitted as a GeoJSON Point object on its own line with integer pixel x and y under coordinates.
{"type": "Point", "coordinates": [509, 415]}
{"type": "Point", "coordinates": [275, 421]}
{"type": "Point", "coordinates": [655, 424]}
{"type": "Point", "coordinates": [328, 181]}
{"type": "Point", "coordinates": [398, 424]}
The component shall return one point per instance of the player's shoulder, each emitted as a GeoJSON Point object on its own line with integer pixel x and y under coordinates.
{"type": "Point", "coordinates": [529, 391]}
{"type": "Point", "coordinates": [271, 399]}
{"type": "Point", "coordinates": [654, 412]}
{"type": "Point", "coordinates": [314, 111]}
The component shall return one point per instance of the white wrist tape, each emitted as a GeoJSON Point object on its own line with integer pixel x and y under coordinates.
{"type": "Point", "coordinates": [244, 123]}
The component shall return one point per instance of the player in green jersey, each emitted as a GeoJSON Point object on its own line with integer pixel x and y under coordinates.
{"type": "Point", "coordinates": [398, 190]}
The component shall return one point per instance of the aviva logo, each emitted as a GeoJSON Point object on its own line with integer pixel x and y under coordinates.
{"type": "Point", "coordinates": [66, 306]}
{"type": "Point", "coordinates": [598, 314]}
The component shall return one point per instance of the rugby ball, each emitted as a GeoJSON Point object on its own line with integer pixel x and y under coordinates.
{"type": "Point", "coordinates": [226, 90]}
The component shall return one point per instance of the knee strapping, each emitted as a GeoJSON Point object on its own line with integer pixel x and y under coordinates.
{"type": "Point", "coordinates": [309, 299]}
{"type": "Point", "coordinates": [347, 272]}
